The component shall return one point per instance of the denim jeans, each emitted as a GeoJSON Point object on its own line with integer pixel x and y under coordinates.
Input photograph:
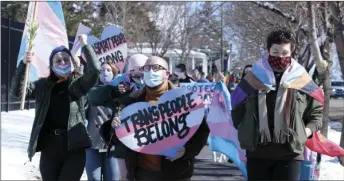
{"type": "Point", "coordinates": [98, 164]}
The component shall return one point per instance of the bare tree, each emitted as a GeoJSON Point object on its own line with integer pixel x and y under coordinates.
{"type": "Point", "coordinates": [200, 27]}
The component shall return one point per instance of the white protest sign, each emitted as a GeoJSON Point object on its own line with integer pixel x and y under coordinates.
{"type": "Point", "coordinates": [82, 29]}
{"type": "Point", "coordinates": [112, 46]}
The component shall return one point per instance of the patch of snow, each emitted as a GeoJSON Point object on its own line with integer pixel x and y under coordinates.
{"type": "Point", "coordinates": [330, 168]}
{"type": "Point", "coordinates": [15, 134]}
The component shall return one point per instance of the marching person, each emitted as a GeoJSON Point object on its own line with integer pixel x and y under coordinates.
{"type": "Point", "coordinates": [197, 76]}
{"type": "Point", "coordinates": [101, 165]}
{"type": "Point", "coordinates": [109, 92]}
{"type": "Point", "coordinates": [182, 75]}
{"type": "Point", "coordinates": [152, 167]}
{"type": "Point", "coordinates": [59, 129]}
{"type": "Point", "coordinates": [135, 63]}
{"type": "Point", "coordinates": [273, 125]}
{"type": "Point", "coordinates": [210, 78]}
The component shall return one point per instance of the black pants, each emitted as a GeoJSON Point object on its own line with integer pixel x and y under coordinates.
{"type": "Point", "coordinates": [57, 163]}
{"type": "Point", "coordinates": [262, 169]}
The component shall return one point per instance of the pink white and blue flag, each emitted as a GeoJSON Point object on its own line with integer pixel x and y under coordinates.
{"type": "Point", "coordinates": [51, 33]}
{"type": "Point", "coordinates": [223, 135]}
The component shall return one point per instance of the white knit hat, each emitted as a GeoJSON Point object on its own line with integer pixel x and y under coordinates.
{"type": "Point", "coordinates": [136, 60]}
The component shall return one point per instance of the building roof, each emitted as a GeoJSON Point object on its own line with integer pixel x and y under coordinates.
{"type": "Point", "coordinates": [170, 53]}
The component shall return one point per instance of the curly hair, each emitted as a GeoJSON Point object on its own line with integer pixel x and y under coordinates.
{"type": "Point", "coordinates": [281, 37]}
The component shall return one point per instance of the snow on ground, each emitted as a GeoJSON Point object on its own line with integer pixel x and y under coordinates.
{"type": "Point", "coordinates": [330, 169]}
{"type": "Point", "coordinates": [15, 134]}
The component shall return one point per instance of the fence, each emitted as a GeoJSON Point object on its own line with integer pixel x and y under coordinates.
{"type": "Point", "coordinates": [11, 34]}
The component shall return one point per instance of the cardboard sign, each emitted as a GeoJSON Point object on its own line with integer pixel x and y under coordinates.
{"type": "Point", "coordinates": [162, 128]}
{"type": "Point", "coordinates": [204, 90]}
{"type": "Point", "coordinates": [82, 29]}
{"type": "Point", "coordinates": [112, 46]}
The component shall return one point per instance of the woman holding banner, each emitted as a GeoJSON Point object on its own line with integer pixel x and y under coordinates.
{"type": "Point", "coordinates": [100, 164]}
{"type": "Point", "coordinates": [59, 129]}
{"type": "Point", "coordinates": [110, 91]}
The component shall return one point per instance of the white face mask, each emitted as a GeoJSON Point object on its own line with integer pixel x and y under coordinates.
{"type": "Point", "coordinates": [106, 77]}
{"type": "Point", "coordinates": [152, 79]}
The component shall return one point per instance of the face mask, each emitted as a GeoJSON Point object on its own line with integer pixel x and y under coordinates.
{"type": "Point", "coordinates": [106, 77]}
{"type": "Point", "coordinates": [63, 70]}
{"type": "Point", "coordinates": [152, 79]}
{"type": "Point", "coordinates": [279, 63]}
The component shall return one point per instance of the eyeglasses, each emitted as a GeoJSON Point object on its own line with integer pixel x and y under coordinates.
{"type": "Point", "coordinates": [154, 67]}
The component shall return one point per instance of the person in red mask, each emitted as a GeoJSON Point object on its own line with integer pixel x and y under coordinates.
{"type": "Point", "coordinates": [282, 118]}
{"type": "Point", "coordinates": [280, 46]}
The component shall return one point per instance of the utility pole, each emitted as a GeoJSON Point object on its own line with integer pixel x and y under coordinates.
{"type": "Point", "coordinates": [222, 61]}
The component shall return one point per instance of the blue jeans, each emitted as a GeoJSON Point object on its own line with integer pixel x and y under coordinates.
{"type": "Point", "coordinates": [98, 162]}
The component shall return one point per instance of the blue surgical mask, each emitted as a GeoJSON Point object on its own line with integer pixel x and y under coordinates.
{"type": "Point", "coordinates": [63, 70]}
{"type": "Point", "coordinates": [152, 79]}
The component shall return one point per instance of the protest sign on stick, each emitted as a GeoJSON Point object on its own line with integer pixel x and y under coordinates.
{"type": "Point", "coordinates": [112, 46]}
{"type": "Point", "coordinates": [162, 128]}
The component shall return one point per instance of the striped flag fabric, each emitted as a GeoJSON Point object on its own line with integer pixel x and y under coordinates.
{"type": "Point", "coordinates": [51, 33]}
{"type": "Point", "coordinates": [223, 136]}
{"type": "Point", "coordinates": [262, 77]}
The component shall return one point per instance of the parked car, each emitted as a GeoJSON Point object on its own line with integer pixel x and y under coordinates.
{"type": "Point", "coordinates": [337, 89]}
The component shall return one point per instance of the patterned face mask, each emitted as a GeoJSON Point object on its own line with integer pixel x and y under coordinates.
{"type": "Point", "coordinates": [279, 63]}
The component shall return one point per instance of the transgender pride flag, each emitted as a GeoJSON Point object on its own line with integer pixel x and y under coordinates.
{"type": "Point", "coordinates": [223, 136]}
{"type": "Point", "coordinates": [50, 34]}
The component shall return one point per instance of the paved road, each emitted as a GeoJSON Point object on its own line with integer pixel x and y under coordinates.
{"type": "Point", "coordinates": [337, 109]}
{"type": "Point", "coordinates": [206, 169]}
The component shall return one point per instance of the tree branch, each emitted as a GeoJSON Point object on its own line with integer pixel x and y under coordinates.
{"type": "Point", "coordinates": [271, 7]}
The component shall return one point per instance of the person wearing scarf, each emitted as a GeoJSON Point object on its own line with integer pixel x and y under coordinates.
{"type": "Point", "coordinates": [153, 167]}
{"type": "Point", "coordinates": [59, 128]}
{"type": "Point", "coordinates": [276, 108]}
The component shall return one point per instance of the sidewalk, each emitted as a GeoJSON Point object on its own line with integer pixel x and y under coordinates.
{"type": "Point", "coordinates": [206, 169]}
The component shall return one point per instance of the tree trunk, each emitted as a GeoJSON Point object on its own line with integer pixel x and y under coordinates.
{"type": "Point", "coordinates": [327, 53]}
{"type": "Point", "coordinates": [338, 33]}
{"type": "Point", "coordinates": [339, 41]}
{"type": "Point", "coordinates": [124, 12]}
{"type": "Point", "coordinates": [314, 40]}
